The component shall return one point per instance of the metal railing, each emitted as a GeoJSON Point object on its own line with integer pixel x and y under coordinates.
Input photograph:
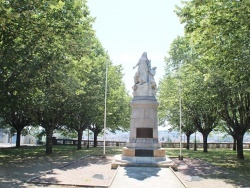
{"type": "Point", "coordinates": [164, 144]}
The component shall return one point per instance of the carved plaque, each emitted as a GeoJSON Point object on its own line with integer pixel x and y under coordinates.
{"type": "Point", "coordinates": [144, 133]}
{"type": "Point", "coordinates": [144, 153]}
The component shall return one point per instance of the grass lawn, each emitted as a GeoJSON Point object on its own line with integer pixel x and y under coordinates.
{"type": "Point", "coordinates": [60, 153]}
{"type": "Point", "coordinates": [224, 158]}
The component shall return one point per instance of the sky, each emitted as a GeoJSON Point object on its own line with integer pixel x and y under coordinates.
{"type": "Point", "coordinates": [127, 28]}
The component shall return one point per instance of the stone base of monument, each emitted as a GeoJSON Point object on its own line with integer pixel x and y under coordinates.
{"type": "Point", "coordinates": [143, 157]}
{"type": "Point", "coordinates": [127, 161]}
{"type": "Point", "coordinates": [143, 152]}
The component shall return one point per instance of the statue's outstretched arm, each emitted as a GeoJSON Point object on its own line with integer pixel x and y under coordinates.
{"type": "Point", "coordinates": [136, 65]}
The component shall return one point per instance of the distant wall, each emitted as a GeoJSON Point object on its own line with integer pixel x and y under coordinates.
{"type": "Point", "coordinates": [5, 138]}
{"type": "Point", "coordinates": [164, 144]}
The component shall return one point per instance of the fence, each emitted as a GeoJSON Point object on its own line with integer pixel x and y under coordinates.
{"type": "Point", "coordinates": [164, 144]}
{"type": "Point", "coordinates": [85, 142]}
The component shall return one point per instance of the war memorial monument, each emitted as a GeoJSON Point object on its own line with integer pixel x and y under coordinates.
{"type": "Point", "coordinates": [143, 147]}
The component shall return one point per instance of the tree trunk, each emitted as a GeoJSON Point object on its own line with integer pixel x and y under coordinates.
{"type": "Point", "coordinates": [234, 144]}
{"type": "Point", "coordinates": [239, 138]}
{"type": "Point", "coordinates": [205, 135]}
{"type": "Point", "coordinates": [195, 144]}
{"type": "Point", "coordinates": [188, 140]}
{"type": "Point", "coordinates": [18, 138]}
{"type": "Point", "coordinates": [79, 139]}
{"type": "Point", "coordinates": [49, 133]}
{"type": "Point", "coordinates": [95, 138]}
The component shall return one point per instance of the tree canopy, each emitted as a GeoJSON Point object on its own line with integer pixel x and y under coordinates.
{"type": "Point", "coordinates": [52, 68]}
{"type": "Point", "coordinates": [217, 54]}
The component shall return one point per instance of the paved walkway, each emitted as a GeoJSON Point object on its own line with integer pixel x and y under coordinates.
{"type": "Point", "coordinates": [145, 177]}
{"type": "Point", "coordinates": [95, 171]}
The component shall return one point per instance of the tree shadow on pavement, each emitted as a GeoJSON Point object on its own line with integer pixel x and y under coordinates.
{"type": "Point", "coordinates": [141, 173]}
{"type": "Point", "coordinates": [198, 168]}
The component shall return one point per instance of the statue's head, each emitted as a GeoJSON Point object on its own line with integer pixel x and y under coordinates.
{"type": "Point", "coordinates": [144, 54]}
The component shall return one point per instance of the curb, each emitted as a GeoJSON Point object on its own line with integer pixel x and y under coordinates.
{"type": "Point", "coordinates": [178, 177]}
{"type": "Point", "coordinates": [110, 183]}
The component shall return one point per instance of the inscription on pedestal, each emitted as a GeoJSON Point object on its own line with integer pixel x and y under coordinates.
{"type": "Point", "coordinates": [144, 133]}
{"type": "Point", "coordinates": [144, 153]}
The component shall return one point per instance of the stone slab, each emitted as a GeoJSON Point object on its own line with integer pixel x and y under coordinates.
{"type": "Point", "coordinates": [150, 98]}
{"type": "Point", "coordinates": [146, 177]}
{"type": "Point", "coordinates": [143, 145]}
{"type": "Point", "coordinates": [128, 152]}
{"type": "Point", "coordinates": [159, 152]}
{"type": "Point", "coordinates": [152, 152]}
{"type": "Point", "coordinates": [163, 162]}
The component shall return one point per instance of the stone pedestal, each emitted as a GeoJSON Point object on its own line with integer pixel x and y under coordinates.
{"type": "Point", "coordinates": [143, 139]}
{"type": "Point", "coordinates": [143, 147]}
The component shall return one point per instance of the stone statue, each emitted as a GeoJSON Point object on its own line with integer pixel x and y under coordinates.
{"type": "Point", "coordinates": [152, 82]}
{"type": "Point", "coordinates": [144, 83]}
{"type": "Point", "coordinates": [143, 68]}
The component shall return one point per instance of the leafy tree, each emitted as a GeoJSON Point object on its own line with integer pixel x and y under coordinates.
{"type": "Point", "coordinates": [88, 93]}
{"type": "Point", "coordinates": [87, 103]}
{"type": "Point", "coordinates": [171, 94]}
{"type": "Point", "coordinates": [220, 36]}
{"type": "Point", "coordinates": [118, 100]}
{"type": "Point", "coordinates": [118, 110]}
{"type": "Point", "coordinates": [40, 41]}
{"type": "Point", "coordinates": [223, 127]}
{"type": "Point", "coordinates": [198, 109]}
{"type": "Point", "coordinates": [16, 66]}
{"type": "Point", "coordinates": [201, 104]}
{"type": "Point", "coordinates": [18, 120]}
{"type": "Point", "coordinates": [37, 132]}
{"type": "Point", "coordinates": [188, 129]}
{"type": "Point", "coordinates": [62, 84]}
{"type": "Point", "coordinates": [170, 87]}
{"type": "Point", "coordinates": [169, 109]}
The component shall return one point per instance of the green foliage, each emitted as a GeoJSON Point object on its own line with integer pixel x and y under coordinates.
{"type": "Point", "coordinates": [213, 59]}
{"type": "Point", "coordinates": [87, 103]}
{"type": "Point", "coordinates": [118, 109]}
{"type": "Point", "coordinates": [3, 123]}
{"type": "Point", "coordinates": [168, 97]}
{"type": "Point", "coordinates": [185, 83]}
{"type": "Point", "coordinates": [117, 106]}
{"type": "Point", "coordinates": [53, 68]}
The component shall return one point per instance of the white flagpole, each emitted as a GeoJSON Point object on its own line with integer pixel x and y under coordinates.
{"type": "Point", "coordinates": [105, 110]}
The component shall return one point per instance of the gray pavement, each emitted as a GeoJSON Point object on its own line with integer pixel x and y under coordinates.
{"type": "Point", "coordinates": [145, 177]}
